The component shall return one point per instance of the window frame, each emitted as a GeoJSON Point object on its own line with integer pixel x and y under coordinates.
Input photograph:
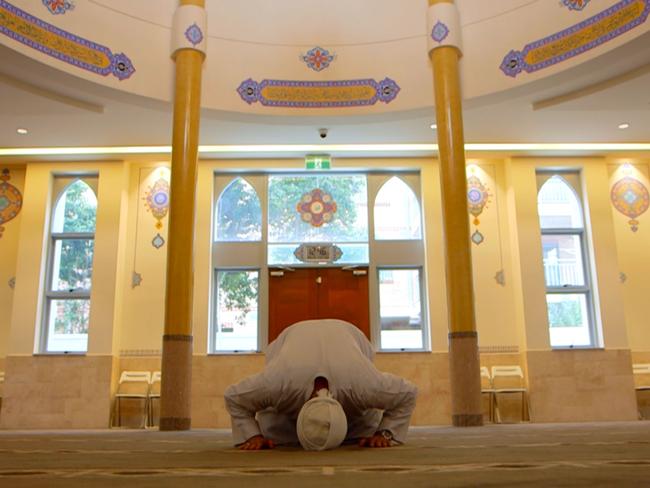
{"type": "Point", "coordinates": [424, 330]}
{"type": "Point", "coordinates": [581, 233]}
{"type": "Point", "coordinates": [249, 255]}
{"type": "Point", "coordinates": [50, 295]}
{"type": "Point", "coordinates": [212, 340]}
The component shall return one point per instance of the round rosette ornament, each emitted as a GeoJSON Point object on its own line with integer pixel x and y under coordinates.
{"type": "Point", "coordinates": [630, 197]}
{"type": "Point", "coordinates": [11, 200]}
{"type": "Point", "coordinates": [316, 207]}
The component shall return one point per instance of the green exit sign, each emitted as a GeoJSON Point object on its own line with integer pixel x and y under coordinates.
{"type": "Point", "coordinates": [318, 161]}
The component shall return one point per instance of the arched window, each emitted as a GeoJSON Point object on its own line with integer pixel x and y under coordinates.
{"type": "Point", "coordinates": [558, 205]}
{"type": "Point", "coordinates": [72, 243]}
{"type": "Point", "coordinates": [568, 286]}
{"type": "Point", "coordinates": [239, 213]}
{"type": "Point", "coordinates": [397, 212]}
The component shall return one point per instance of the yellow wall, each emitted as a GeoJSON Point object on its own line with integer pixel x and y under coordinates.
{"type": "Point", "coordinates": [633, 255]}
{"type": "Point", "coordinates": [30, 263]}
{"type": "Point", "coordinates": [511, 315]}
{"type": "Point", "coordinates": [127, 321]}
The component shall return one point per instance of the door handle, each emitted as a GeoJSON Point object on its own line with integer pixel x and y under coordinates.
{"type": "Point", "coordinates": [319, 280]}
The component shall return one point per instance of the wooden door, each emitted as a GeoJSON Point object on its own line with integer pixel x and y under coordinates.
{"type": "Point", "coordinates": [318, 293]}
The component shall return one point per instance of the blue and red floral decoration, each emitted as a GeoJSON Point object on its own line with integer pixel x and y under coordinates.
{"type": "Point", "coordinates": [477, 199]}
{"type": "Point", "coordinates": [194, 34]}
{"type": "Point", "coordinates": [577, 39]}
{"type": "Point", "coordinates": [60, 44]}
{"type": "Point", "coordinates": [316, 207]}
{"type": "Point", "coordinates": [318, 58]}
{"type": "Point", "coordinates": [157, 202]}
{"type": "Point", "coordinates": [440, 32]}
{"type": "Point", "coordinates": [11, 200]}
{"type": "Point", "coordinates": [630, 197]}
{"type": "Point", "coordinates": [318, 94]}
{"type": "Point", "coordinates": [575, 4]}
{"type": "Point", "coordinates": [58, 6]}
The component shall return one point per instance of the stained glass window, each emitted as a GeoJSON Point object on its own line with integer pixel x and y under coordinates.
{"type": "Point", "coordinates": [318, 208]}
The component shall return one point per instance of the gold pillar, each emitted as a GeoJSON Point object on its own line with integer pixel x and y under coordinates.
{"type": "Point", "coordinates": [176, 387]}
{"type": "Point", "coordinates": [464, 360]}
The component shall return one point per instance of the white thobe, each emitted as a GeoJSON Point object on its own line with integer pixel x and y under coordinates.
{"type": "Point", "coordinates": [336, 350]}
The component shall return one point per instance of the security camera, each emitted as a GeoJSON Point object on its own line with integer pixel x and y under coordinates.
{"type": "Point", "coordinates": [322, 133]}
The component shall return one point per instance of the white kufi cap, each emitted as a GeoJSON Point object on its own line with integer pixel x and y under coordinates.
{"type": "Point", "coordinates": [321, 423]}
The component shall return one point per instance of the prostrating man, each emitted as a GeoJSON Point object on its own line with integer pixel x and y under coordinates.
{"type": "Point", "coordinates": [320, 387]}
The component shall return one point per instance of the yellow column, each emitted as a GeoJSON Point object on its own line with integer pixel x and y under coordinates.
{"type": "Point", "coordinates": [177, 342]}
{"type": "Point", "coordinates": [463, 340]}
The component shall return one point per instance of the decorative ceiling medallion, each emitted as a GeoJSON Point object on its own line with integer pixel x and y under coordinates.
{"type": "Point", "coordinates": [194, 34]}
{"type": "Point", "coordinates": [630, 197]}
{"type": "Point", "coordinates": [596, 30]}
{"type": "Point", "coordinates": [575, 4]}
{"type": "Point", "coordinates": [62, 45]}
{"type": "Point", "coordinates": [11, 200]}
{"type": "Point", "coordinates": [318, 253]}
{"type": "Point", "coordinates": [440, 32]}
{"type": "Point", "coordinates": [316, 207]}
{"type": "Point", "coordinates": [318, 94]}
{"type": "Point", "coordinates": [58, 6]}
{"type": "Point", "coordinates": [478, 197]}
{"type": "Point", "coordinates": [157, 200]}
{"type": "Point", "coordinates": [318, 58]}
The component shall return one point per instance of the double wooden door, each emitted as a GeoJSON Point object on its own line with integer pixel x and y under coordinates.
{"type": "Point", "coordinates": [318, 293]}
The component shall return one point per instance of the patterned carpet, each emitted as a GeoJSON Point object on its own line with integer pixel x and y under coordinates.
{"type": "Point", "coordinates": [603, 454]}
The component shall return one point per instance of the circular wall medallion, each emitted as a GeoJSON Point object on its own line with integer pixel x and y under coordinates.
{"type": "Point", "coordinates": [157, 200]}
{"type": "Point", "coordinates": [630, 197]}
{"type": "Point", "coordinates": [11, 200]}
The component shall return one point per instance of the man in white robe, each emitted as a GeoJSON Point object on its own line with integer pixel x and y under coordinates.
{"type": "Point", "coordinates": [265, 406]}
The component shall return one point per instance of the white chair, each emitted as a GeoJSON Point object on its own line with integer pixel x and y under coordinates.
{"type": "Point", "coordinates": [641, 384]}
{"type": "Point", "coordinates": [509, 380]}
{"type": "Point", "coordinates": [488, 389]}
{"type": "Point", "coordinates": [133, 385]}
{"type": "Point", "coordinates": [154, 394]}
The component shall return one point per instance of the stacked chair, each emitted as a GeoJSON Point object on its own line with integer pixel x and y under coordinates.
{"type": "Point", "coordinates": [507, 381]}
{"type": "Point", "coordinates": [642, 387]}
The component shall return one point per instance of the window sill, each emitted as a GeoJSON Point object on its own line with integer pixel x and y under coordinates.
{"type": "Point", "coordinates": [75, 354]}
{"type": "Point", "coordinates": [236, 353]}
{"type": "Point", "coordinates": [577, 348]}
{"type": "Point", "coordinates": [403, 351]}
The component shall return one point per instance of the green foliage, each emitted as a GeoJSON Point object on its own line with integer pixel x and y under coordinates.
{"type": "Point", "coordinates": [565, 314]}
{"type": "Point", "coordinates": [80, 210]}
{"type": "Point", "coordinates": [239, 214]}
{"type": "Point", "coordinates": [348, 224]}
{"type": "Point", "coordinates": [238, 292]}
{"type": "Point", "coordinates": [75, 265]}
{"type": "Point", "coordinates": [71, 316]}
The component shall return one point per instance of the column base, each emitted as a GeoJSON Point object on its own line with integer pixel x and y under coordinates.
{"type": "Point", "coordinates": [176, 387]}
{"type": "Point", "coordinates": [465, 379]}
{"type": "Point", "coordinates": [172, 423]}
{"type": "Point", "coordinates": [467, 420]}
